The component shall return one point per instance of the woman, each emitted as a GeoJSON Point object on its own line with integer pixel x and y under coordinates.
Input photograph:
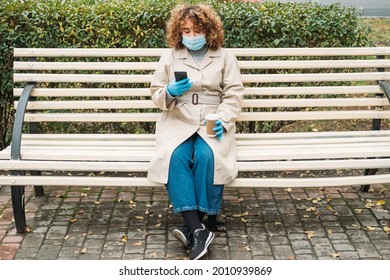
{"type": "Point", "coordinates": [193, 166]}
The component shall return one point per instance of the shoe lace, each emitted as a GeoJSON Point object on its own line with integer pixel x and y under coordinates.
{"type": "Point", "coordinates": [194, 240]}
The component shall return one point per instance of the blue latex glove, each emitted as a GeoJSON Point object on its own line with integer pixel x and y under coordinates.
{"type": "Point", "coordinates": [218, 129]}
{"type": "Point", "coordinates": [178, 88]}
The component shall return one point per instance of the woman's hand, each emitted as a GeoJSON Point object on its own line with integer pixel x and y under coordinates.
{"type": "Point", "coordinates": [218, 129]}
{"type": "Point", "coordinates": [178, 88]}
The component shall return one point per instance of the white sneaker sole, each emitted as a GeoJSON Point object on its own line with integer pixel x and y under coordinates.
{"type": "Point", "coordinates": [208, 241]}
{"type": "Point", "coordinates": [180, 236]}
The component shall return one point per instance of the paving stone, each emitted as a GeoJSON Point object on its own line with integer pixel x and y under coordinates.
{"type": "Point", "coordinates": [366, 250]}
{"type": "Point", "coordinates": [260, 248]}
{"type": "Point", "coordinates": [57, 232]}
{"type": "Point", "coordinates": [343, 247]}
{"type": "Point", "coordinates": [301, 244]}
{"type": "Point", "coordinates": [33, 240]}
{"type": "Point", "coordinates": [48, 252]}
{"type": "Point", "coordinates": [282, 252]}
{"type": "Point", "coordinates": [219, 252]}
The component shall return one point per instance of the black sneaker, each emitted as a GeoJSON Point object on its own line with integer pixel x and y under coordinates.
{"type": "Point", "coordinates": [200, 241]}
{"type": "Point", "coordinates": [182, 234]}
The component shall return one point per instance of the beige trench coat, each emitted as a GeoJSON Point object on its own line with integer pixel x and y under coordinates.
{"type": "Point", "coordinates": [218, 75]}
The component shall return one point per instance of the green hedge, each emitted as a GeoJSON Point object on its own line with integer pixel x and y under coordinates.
{"type": "Point", "coordinates": [141, 23]}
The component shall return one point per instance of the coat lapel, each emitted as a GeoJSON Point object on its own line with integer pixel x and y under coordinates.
{"type": "Point", "coordinates": [209, 57]}
{"type": "Point", "coordinates": [186, 57]}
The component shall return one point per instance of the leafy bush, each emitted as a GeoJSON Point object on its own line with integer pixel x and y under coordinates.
{"type": "Point", "coordinates": [141, 24]}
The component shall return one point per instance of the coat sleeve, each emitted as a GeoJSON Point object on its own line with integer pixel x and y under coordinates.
{"type": "Point", "coordinates": [160, 81]}
{"type": "Point", "coordinates": [232, 92]}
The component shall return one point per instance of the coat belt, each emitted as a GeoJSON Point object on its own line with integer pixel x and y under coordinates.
{"type": "Point", "coordinates": [196, 98]}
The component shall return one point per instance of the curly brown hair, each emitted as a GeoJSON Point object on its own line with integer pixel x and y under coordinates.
{"type": "Point", "coordinates": [203, 17]}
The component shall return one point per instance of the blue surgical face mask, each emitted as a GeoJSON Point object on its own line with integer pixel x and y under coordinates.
{"type": "Point", "coordinates": [194, 43]}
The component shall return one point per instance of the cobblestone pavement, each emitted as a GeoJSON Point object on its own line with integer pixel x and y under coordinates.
{"type": "Point", "coordinates": [136, 223]}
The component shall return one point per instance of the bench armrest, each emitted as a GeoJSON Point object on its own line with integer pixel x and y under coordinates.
{"type": "Point", "coordinates": [19, 120]}
{"type": "Point", "coordinates": [386, 88]}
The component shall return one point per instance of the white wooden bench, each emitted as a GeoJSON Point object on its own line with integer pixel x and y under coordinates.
{"type": "Point", "coordinates": [111, 85]}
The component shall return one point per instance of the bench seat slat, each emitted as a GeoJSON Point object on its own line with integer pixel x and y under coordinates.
{"type": "Point", "coordinates": [240, 137]}
{"type": "Point", "coordinates": [110, 166]}
{"type": "Point", "coordinates": [243, 143]}
{"type": "Point", "coordinates": [239, 182]}
{"type": "Point", "coordinates": [257, 153]}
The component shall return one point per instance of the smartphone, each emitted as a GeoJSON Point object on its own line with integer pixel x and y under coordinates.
{"type": "Point", "coordinates": [180, 75]}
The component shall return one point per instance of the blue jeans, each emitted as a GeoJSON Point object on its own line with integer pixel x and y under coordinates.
{"type": "Point", "coordinates": [190, 178]}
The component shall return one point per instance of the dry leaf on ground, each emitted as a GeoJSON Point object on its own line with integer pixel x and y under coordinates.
{"type": "Point", "coordinates": [310, 233]}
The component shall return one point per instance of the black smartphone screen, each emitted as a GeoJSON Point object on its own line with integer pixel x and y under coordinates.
{"type": "Point", "coordinates": [180, 75]}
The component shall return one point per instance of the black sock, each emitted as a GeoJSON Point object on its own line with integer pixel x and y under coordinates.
{"type": "Point", "coordinates": [191, 220]}
{"type": "Point", "coordinates": [201, 215]}
{"type": "Point", "coordinates": [212, 221]}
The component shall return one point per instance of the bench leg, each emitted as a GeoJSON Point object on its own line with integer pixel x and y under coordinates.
{"type": "Point", "coordinates": [17, 193]}
{"type": "Point", "coordinates": [368, 172]}
{"type": "Point", "coordinates": [38, 189]}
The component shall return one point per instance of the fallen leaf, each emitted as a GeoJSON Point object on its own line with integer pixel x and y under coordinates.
{"type": "Point", "coordinates": [158, 225]}
{"type": "Point", "coordinates": [335, 255]}
{"type": "Point", "coordinates": [159, 215]}
{"type": "Point", "coordinates": [66, 237]}
{"type": "Point", "coordinates": [359, 211]}
{"type": "Point", "coordinates": [242, 219]}
{"type": "Point", "coordinates": [84, 194]}
{"type": "Point", "coordinates": [28, 229]}
{"type": "Point", "coordinates": [288, 190]}
{"type": "Point", "coordinates": [330, 231]}
{"type": "Point", "coordinates": [73, 221]}
{"type": "Point", "coordinates": [237, 215]}
{"type": "Point", "coordinates": [102, 173]}
{"type": "Point", "coordinates": [124, 238]}
{"type": "Point", "coordinates": [153, 254]}
{"type": "Point", "coordinates": [243, 236]}
{"type": "Point", "coordinates": [148, 205]}
{"type": "Point", "coordinates": [329, 208]}
{"type": "Point", "coordinates": [369, 228]}
{"type": "Point", "coordinates": [291, 257]}
{"type": "Point", "coordinates": [380, 202]}
{"type": "Point", "coordinates": [248, 248]}
{"type": "Point", "coordinates": [239, 199]}
{"type": "Point", "coordinates": [278, 223]}
{"type": "Point", "coordinates": [97, 202]}
{"type": "Point", "coordinates": [387, 229]}
{"type": "Point", "coordinates": [139, 217]}
{"type": "Point", "coordinates": [369, 204]}
{"type": "Point", "coordinates": [87, 233]}
{"type": "Point", "coordinates": [310, 209]}
{"type": "Point", "coordinates": [83, 251]}
{"type": "Point", "coordinates": [310, 233]}
{"type": "Point", "coordinates": [137, 244]}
